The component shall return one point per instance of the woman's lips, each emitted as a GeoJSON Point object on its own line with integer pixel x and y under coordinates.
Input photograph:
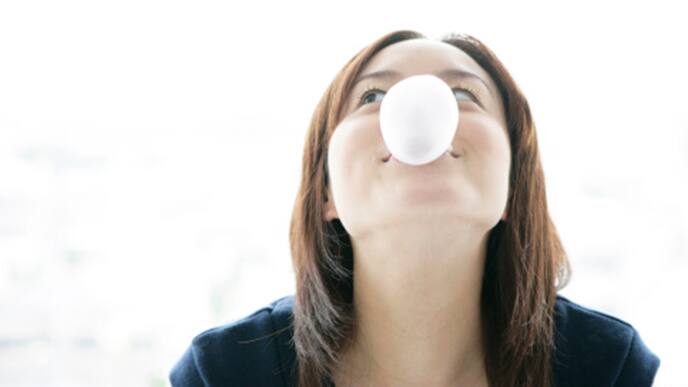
{"type": "Point", "coordinates": [451, 153]}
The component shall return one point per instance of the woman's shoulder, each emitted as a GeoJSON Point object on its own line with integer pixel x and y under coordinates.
{"type": "Point", "coordinates": [596, 348]}
{"type": "Point", "coordinates": [253, 350]}
{"type": "Point", "coordinates": [249, 328]}
{"type": "Point", "coordinates": [592, 348]}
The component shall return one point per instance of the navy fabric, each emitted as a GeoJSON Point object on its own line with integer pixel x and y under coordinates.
{"type": "Point", "coordinates": [592, 349]}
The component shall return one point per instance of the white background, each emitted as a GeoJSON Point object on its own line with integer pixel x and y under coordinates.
{"type": "Point", "coordinates": [150, 154]}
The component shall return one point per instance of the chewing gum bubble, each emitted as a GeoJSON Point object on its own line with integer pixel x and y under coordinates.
{"type": "Point", "coordinates": [419, 117]}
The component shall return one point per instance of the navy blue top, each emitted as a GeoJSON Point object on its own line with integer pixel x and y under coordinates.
{"type": "Point", "coordinates": [592, 349]}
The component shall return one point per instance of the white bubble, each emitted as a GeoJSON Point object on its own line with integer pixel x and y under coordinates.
{"type": "Point", "coordinates": [419, 117]}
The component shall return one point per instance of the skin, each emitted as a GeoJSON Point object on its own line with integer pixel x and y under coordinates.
{"type": "Point", "coordinates": [419, 233]}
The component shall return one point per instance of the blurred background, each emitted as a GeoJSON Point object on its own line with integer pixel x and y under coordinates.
{"type": "Point", "coordinates": [150, 154]}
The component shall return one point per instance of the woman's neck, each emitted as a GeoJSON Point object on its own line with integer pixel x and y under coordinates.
{"type": "Point", "coordinates": [417, 310]}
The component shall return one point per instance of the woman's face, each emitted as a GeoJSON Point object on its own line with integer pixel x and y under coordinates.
{"type": "Point", "coordinates": [366, 192]}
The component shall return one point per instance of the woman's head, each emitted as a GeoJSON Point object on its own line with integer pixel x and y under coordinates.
{"type": "Point", "coordinates": [348, 191]}
{"type": "Point", "coordinates": [367, 193]}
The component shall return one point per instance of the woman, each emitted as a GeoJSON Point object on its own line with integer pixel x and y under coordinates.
{"type": "Point", "coordinates": [444, 274]}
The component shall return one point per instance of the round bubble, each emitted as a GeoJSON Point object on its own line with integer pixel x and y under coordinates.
{"type": "Point", "coordinates": [419, 117]}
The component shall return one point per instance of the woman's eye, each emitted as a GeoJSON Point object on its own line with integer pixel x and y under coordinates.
{"type": "Point", "coordinates": [365, 98]}
{"type": "Point", "coordinates": [470, 95]}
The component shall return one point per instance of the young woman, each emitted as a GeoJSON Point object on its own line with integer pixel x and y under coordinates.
{"type": "Point", "coordinates": [444, 274]}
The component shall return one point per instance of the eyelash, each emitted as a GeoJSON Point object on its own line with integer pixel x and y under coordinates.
{"type": "Point", "coordinates": [364, 93]}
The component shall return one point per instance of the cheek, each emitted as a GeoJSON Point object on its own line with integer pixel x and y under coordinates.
{"type": "Point", "coordinates": [489, 155]}
{"type": "Point", "coordinates": [486, 140]}
{"type": "Point", "coordinates": [353, 168]}
{"type": "Point", "coordinates": [341, 150]}
{"type": "Point", "coordinates": [352, 145]}
{"type": "Point", "coordinates": [350, 153]}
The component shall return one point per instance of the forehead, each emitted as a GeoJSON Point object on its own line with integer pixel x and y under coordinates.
{"type": "Point", "coordinates": [424, 56]}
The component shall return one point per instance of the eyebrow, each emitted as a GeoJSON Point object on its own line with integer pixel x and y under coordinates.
{"type": "Point", "coordinates": [447, 73]}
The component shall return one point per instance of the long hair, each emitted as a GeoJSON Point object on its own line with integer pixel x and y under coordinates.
{"type": "Point", "coordinates": [525, 264]}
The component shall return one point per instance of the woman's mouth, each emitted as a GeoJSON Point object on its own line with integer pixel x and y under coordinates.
{"type": "Point", "coordinates": [451, 153]}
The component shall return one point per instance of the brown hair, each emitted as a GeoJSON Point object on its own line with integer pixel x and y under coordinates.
{"type": "Point", "coordinates": [518, 294]}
